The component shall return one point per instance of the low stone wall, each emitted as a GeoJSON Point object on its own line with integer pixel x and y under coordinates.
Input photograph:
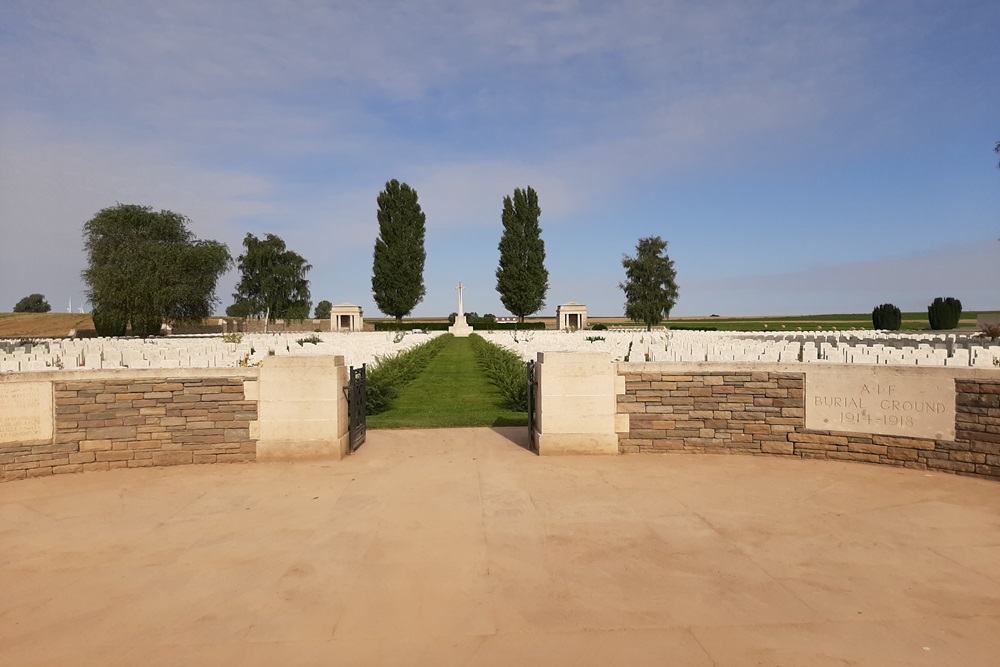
{"type": "Point", "coordinates": [752, 412]}
{"type": "Point", "coordinates": [977, 428]}
{"type": "Point", "coordinates": [118, 419]}
{"type": "Point", "coordinates": [294, 408]}
{"type": "Point", "coordinates": [888, 416]}
{"type": "Point", "coordinates": [255, 325]}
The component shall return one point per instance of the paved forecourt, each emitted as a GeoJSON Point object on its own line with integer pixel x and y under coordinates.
{"type": "Point", "coordinates": [460, 547]}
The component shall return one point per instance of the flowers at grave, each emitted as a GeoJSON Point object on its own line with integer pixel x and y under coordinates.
{"type": "Point", "coordinates": [246, 363]}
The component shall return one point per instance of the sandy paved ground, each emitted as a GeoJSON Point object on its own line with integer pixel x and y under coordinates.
{"type": "Point", "coordinates": [461, 548]}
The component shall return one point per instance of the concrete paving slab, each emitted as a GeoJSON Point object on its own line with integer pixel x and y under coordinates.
{"type": "Point", "coordinates": [460, 547]}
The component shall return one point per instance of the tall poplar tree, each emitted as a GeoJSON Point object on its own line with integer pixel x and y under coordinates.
{"type": "Point", "coordinates": [651, 282]}
{"type": "Point", "coordinates": [398, 269]}
{"type": "Point", "coordinates": [522, 279]}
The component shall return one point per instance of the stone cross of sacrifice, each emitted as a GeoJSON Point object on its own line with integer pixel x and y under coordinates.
{"type": "Point", "coordinates": [460, 290]}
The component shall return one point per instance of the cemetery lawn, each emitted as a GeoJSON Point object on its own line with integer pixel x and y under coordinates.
{"type": "Point", "coordinates": [451, 392]}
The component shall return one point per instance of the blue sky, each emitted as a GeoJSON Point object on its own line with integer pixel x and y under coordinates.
{"type": "Point", "coordinates": [800, 157]}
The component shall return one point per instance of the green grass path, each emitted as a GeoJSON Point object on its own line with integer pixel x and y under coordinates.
{"type": "Point", "coordinates": [452, 391]}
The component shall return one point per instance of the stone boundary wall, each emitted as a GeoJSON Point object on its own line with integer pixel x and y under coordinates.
{"type": "Point", "coordinates": [254, 325]}
{"type": "Point", "coordinates": [744, 410]}
{"type": "Point", "coordinates": [116, 419]}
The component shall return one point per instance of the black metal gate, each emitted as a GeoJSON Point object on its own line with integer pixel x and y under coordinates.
{"type": "Point", "coordinates": [532, 390]}
{"type": "Point", "coordinates": [357, 403]}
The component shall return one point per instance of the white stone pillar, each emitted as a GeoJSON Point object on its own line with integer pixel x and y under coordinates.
{"type": "Point", "coordinates": [576, 403]}
{"type": "Point", "coordinates": [302, 409]}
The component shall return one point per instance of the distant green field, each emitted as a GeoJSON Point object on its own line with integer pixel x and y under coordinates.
{"type": "Point", "coordinates": [911, 322]}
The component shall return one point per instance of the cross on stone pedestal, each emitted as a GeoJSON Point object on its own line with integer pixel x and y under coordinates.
{"type": "Point", "coordinates": [460, 328]}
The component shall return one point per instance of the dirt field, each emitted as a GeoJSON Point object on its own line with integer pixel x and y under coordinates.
{"type": "Point", "coordinates": [42, 325]}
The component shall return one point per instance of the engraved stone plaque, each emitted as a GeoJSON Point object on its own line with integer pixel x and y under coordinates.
{"type": "Point", "coordinates": [881, 400]}
{"type": "Point", "coordinates": [25, 411]}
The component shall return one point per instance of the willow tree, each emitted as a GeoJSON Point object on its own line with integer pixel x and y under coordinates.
{"type": "Point", "coordinates": [273, 283]}
{"type": "Point", "coordinates": [398, 267]}
{"type": "Point", "coordinates": [145, 268]}
{"type": "Point", "coordinates": [522, 279]}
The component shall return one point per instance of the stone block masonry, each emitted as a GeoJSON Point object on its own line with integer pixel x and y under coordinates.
{"type": "Point", "coordinates": [977, 425]}
{"type": "Point", "coordinates": [132, 419]}
{"type": "Point", "coordinates": [743, 411]}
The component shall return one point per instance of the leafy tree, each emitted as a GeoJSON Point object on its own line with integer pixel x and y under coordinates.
{"type": "Point", "coordinates": [323, 309]}
{"type": "Point", "coordinates": [522, 279]}
{"type": "Point", "coordinates": [34, 303]}
{"type": "Point", "coordinates": [273, 282]}
{"type": "Point", "coordinates": [398, 269]}
{"type": "Point", "coordinates": [146, 267]}
{"type": "Point", "coordinates": [650, 286]}
{"type": "Point", "coordinates": [469, 317]}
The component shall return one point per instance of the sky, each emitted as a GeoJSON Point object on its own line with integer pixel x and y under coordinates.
{"type": "Point", "coordinates": [799, 157]}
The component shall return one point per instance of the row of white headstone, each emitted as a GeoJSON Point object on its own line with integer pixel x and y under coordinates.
{"type": "Point", "coordinates": [197, 351]}
{"type": "Point", "coordinates": [679, 346]}
{"type": "Point", "coordinates": [628, 346]}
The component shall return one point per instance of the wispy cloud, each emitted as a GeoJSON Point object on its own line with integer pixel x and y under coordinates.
{"type": "Point", "coordinates": [290, 117]}
{"type": "Point", "coordinates": [53, 183]}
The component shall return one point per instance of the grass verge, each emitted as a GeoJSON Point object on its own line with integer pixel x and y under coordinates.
{"type": "Point", "coordinates": [506, 372]}
{"type": "Point", "coordinates": [451, 391]}
{"type": "Point", "coordinates": [389, 375]}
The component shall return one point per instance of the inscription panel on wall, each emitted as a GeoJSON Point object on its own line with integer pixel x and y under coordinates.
{"type": "Point", "coordinates": [25, 411]}
{"type": "Point", "coordinates": [881, 400]}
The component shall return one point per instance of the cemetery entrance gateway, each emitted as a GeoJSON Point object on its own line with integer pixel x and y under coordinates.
{"type": "Point", "coordinates": [357, 405]}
